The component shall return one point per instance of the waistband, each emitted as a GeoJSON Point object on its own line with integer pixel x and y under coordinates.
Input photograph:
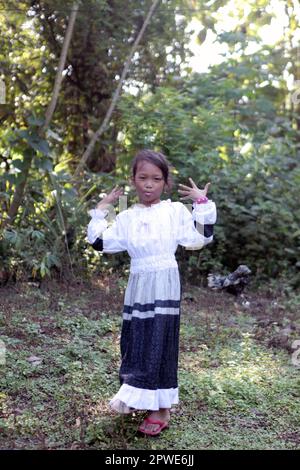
{"type": "Point", "coordinates": [153, 263]}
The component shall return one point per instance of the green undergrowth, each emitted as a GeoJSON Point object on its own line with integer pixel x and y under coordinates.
{"type": "Point", "coordinates": [61, 367]}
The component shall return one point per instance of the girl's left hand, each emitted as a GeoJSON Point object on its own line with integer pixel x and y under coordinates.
{"type": "Point", "coordinates": [192, 192]}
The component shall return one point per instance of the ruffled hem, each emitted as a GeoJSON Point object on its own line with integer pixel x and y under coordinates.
{"type": "Point", "coordinates": [131, 398]}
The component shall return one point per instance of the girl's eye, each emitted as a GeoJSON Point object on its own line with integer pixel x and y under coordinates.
{"type": "Point", "coordinates": [143, 178]}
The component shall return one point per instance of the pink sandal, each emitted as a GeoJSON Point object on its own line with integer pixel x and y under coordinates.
{"type": "Point", "coordinates": [162, 425]}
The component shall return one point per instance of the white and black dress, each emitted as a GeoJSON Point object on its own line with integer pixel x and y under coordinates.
{"type": "Point", "coordinates": [151, 314]}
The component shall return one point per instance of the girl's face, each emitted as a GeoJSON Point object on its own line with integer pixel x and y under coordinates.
{"type": "Point", "coordinates": [149, 183]}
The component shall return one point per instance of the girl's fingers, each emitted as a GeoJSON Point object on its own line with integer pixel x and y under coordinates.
{"type": "Point", "coordinates": [117, 189]}
{"type": "Point", "coordinates": [189, 187]}
{"type": "Point", "coordinates": [206, 188]}
{"type": "Point", "coordinates": [183, 191]}
{"type": "Point", "coordinates": [193, 184]}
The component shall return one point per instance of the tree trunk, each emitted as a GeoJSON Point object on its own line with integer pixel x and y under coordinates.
{"type": "Point", "coordinates": [116, 95]}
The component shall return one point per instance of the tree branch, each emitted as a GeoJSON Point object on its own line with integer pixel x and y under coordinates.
{"type": "Point", "coordinates": [61, 65]}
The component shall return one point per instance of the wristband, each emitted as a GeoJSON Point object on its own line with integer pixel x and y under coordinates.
{"type": "Point", "coordinates": [201, 200]}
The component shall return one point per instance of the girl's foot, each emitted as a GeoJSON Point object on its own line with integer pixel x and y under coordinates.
{"type": "Point", "coordinates": [155, 422]}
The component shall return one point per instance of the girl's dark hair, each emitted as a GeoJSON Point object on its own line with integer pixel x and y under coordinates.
{"type": "Point", "coordinates": [156, 158]}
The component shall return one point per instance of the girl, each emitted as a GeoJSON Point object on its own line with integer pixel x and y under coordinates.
{"type": "Point", "coordinates": [150, 231]}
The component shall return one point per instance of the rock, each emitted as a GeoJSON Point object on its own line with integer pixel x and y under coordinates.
{"type": "Point", "coordinates": [35, 360]}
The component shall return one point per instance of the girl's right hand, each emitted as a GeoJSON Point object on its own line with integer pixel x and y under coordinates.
{"type": "Point", "coordinates": [111, 198]}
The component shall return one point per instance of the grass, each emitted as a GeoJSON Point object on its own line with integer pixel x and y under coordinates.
{"type": "Point", "coordinates": [238, 386]}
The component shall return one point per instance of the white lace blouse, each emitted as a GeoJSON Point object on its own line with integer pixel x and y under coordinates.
{"type": "Point", "coordinates": [151, 234]}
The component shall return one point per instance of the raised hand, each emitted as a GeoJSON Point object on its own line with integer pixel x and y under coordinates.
{"type": "Point", "coordinates": [111, 198]}
{"type": "Point", "coordinates": [192, 192]}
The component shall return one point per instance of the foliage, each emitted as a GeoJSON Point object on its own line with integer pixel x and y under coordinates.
{"type": "Point", "coordinates": [236, 125]}
{"type": "Point", "coordinates": [101, 42]}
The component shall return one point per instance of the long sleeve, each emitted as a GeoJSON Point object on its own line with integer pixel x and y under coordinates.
{"type": "Point", "coordinates": [103, 238]}
{"type": "Point", "coordinates": [195, 229]}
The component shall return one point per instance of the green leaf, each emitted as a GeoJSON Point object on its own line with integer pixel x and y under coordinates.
{"type": "Point", "coordinates": [18, 163]}
{"type": "Point", "coordinates": [201, 36]}
{"type": "Point", "coordinates": [43, 163]}
{"type": "Point", "coordinates": [40, 145]}
{"type": "Point", "coordinates": [34, 121]}
{"type": "Point", "coordinates": [35, 141]}
{"type": "Point", "coordinates": [38, 235]}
